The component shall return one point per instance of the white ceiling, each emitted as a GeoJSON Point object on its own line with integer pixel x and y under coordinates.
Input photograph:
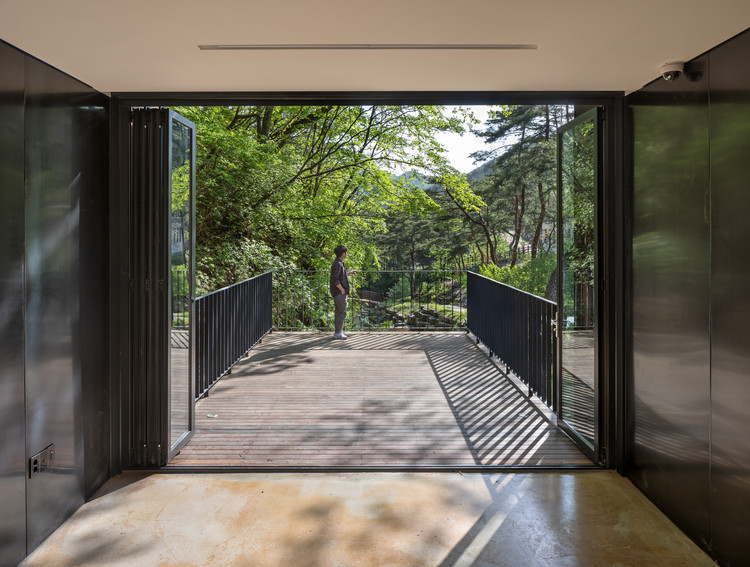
{"type": "Point", "coordinates": [583, 45]}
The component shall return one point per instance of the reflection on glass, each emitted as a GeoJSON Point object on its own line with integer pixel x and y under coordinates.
{"type": "Point", "coordinates": [180, 189]}
{"type": "Point", "coordinates": [578, 168]}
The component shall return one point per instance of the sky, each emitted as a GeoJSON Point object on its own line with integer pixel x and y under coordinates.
{"type": "Point", "coordinates": [459, 147]}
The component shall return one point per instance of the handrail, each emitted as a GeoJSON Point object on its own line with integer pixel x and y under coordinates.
{"type": "Point", "coordinates": [517, 327]}
{"type": "Point", "coordinates": [229, 321]}
{"type": "Point", "coordinates": [232, 285]}
{"type": "Point", "coordinates": [543, 299]}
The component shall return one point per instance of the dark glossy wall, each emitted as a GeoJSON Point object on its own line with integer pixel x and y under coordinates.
{"type": "Point", "coordinates": [691, 300]}
{"type": "Point", "coordinates": [12, 425]}
{"type": "Point", "coordinates": [54, 380]}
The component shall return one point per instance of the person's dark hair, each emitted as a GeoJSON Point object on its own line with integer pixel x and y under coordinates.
{"type": "Point", "coordinates": [339, 250]}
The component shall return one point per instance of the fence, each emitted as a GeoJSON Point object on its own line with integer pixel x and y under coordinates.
{"type": "Point", "coordinates": [228, 322]}
{"type": "Point", "coordinates": [517, 327]}
{"type": "Point", "coordinates": [380, 300]}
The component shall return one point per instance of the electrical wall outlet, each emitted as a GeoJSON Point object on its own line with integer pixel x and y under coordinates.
{"type": "Point", "coordinates": [43, 460]}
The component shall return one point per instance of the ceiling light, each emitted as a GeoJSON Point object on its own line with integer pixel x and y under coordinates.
{"type": "Point", "coordinates": [353, 46]}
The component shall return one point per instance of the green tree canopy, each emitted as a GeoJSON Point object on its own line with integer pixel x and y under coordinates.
{"type": "Point", "coordinates": [280, 186]}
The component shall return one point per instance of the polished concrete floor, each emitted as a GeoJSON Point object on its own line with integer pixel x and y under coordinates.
{"type": "Point", "coordinates": [369, 519]}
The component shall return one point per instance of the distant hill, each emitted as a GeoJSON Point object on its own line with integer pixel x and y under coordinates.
{"type": "Point", "coordinates": [481, 172]}
{"type": "Point", "coordinates": [414, 178]}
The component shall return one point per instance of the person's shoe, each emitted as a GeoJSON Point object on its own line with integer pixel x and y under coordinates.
{"type": "Point", "coordinates": [339, 336]}
{"type": "Point", "coordinates": [343, 334]}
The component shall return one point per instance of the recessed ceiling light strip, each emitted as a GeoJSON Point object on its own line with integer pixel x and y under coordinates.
{"type": "Point", "coordinates": [357, 46]}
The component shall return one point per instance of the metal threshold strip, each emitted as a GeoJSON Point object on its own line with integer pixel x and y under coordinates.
{"type": "Point", "coordinates": [367, 46]}
{"type": "Point", "coordinates": [482, 469]}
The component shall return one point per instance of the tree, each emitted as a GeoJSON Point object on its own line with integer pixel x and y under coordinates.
{"type": "Point", "coordinates": [523, 180]}
{"type": "Point", "coordinates": [279, 186]}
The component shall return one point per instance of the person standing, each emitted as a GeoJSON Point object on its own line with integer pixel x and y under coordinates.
{"type": "Point", "coordinates": [339, 290]}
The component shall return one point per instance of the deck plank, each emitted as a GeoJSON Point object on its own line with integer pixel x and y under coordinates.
{"type": "Point", "coordinates": [397, 399]}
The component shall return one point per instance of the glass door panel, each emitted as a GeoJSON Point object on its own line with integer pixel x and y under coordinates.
{"type": "Point", "coordinates": [181, 230]}
{"type": "Point", "coordinates": [578, 183]}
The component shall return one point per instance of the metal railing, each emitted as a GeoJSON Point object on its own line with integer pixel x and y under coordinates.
{"type": "Point", "coordinates": [517, 327]}
{"type": "Point", "coordinates": [228, 322]}
{"type": "Point", "coordinates": [579, 301]}
{"type": "Point", "coordinates": [380, 300]}
{"type": "Point", "coordinates": [180, 293]}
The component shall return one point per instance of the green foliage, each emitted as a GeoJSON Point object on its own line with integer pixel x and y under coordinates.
{"type": "Point", "coordinates": [180, 188]}
{"type": "Point", "coordinates": [278, 187]}
{"type": "Point", "coordinates": [510, 201]}
{"type": "Point", "coordinates": [531, 276]}
{"type": "Point", "coordinates": [461, 193]}
{"type": "Point", "coordinates": [283, 185]}
{"type": "Point", "coordinates": [400, 291]}
{"type": "Point", "coordinates": [228, 262]}
{"type": "Point", "coordinates": [579, 201]}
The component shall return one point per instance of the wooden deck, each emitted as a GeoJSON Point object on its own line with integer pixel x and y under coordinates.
{"type": "Point", "coordinates": [376, 399]}
{"type": "Point", "coordinates": [578, 376]}
{"type": "Point", "coordinates": [179, 407]}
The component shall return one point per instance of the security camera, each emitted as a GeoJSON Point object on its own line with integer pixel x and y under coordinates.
{"type": "Point", "coordinates": [671, 71]}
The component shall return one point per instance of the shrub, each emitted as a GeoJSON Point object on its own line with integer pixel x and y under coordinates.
{"type": "Point", "coordinates": [531, 276]}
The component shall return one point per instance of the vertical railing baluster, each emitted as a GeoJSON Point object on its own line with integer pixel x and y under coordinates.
{"type": "Point", "coordinates": [286, 301]}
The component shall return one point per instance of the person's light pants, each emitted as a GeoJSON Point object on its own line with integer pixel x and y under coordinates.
{"type": "Point", "coordinates": [340, 317]}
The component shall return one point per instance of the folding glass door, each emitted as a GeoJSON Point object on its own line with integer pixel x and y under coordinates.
{"type": "Point", "coordinates": [578, 328]}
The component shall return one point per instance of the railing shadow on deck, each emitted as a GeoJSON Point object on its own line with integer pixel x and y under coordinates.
{"type": "Point", "coordinates": [501, 425]}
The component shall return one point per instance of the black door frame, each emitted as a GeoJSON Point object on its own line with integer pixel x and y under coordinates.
{"type": "Point", "coordinates": [615, 241]}
{"type": "Point", "coordinates": [174, 448]}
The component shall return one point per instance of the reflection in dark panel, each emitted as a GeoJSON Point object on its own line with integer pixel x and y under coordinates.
{"type": "Point", "coordinates": [12, 446]}
{"type": "Point", "coordinates": [578, 209]}
{"type": "Point", "coordinates": [180, 191]}
{"type": "Point", "coordinates": [91, 337]}
{"type": "Point", "coordinates": [671, 300]}
{"type": "Point", "coordinates": [53, 385]}
{"type": "Point", "coordinates": [730, 362]}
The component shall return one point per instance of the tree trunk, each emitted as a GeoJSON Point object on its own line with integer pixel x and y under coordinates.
{"type": "Point", "coordinates": [265, 123]}
{"type": "Point", "coordinates": [520, 212]}
{"type": "Point", "coordinates": [412, 257]}
{"type": "Point", "coordinates": [540, 221]}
